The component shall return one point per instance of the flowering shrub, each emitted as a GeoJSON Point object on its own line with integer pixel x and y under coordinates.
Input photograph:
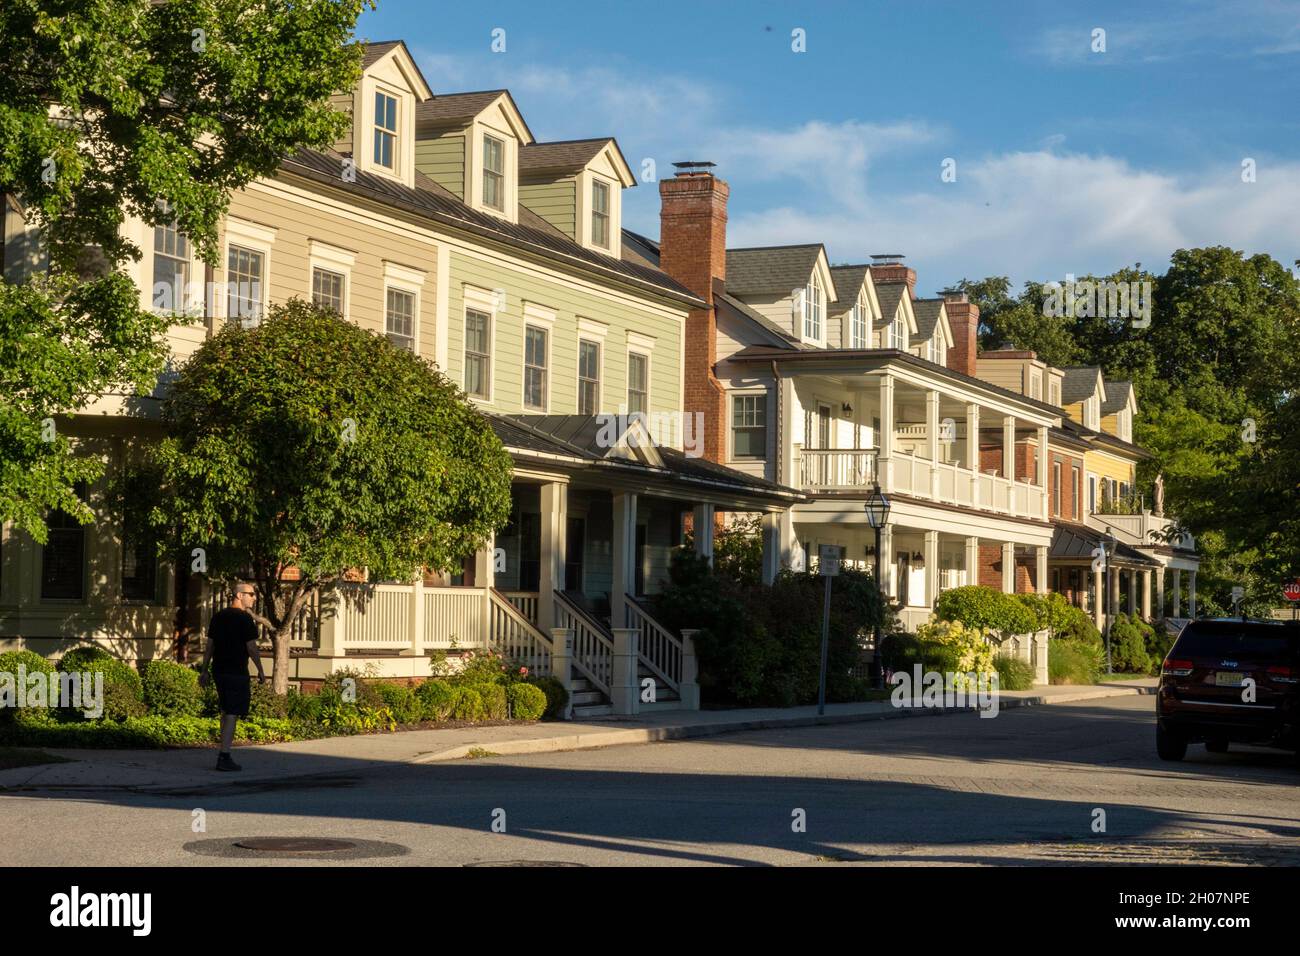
{"type": "Point", "coordinates": [969, 649]}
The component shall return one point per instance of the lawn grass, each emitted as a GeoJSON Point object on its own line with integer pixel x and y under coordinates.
{"type": "Point", "coordinates": [11, 757]}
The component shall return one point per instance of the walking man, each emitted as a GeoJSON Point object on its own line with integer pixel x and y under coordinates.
{"type": "Point", "coordinates": [232, 640]}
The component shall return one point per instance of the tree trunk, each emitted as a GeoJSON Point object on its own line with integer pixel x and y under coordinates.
{"type": "Point", "coordinates": [280, 658]}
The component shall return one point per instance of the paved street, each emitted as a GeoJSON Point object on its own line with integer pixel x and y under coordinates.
{"type": "Point", "coordinates": [1022, 787]}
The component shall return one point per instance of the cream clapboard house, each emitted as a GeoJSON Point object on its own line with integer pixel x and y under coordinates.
{"type": "Point", "coordinates": [441, 223]}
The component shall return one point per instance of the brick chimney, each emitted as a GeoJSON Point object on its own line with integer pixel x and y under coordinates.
{"type": "Point", "coordinates": [964, 317]}
{"type": "Point", "coordinates": [890, 268]}
{"type": "Point", "coordinates": [693, 250]}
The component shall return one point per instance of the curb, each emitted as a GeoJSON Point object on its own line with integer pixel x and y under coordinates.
{"type": "Point", "coordinates": [647, 735]}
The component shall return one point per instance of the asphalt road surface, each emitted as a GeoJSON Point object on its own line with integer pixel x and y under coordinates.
{"type": "Point", "coordinates": [1073, 784]}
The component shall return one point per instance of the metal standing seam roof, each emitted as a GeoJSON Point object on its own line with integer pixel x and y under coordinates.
{"type": "Point", "coordinates": [1076, 542]}
{"type": "Point", "coordinates": [432, 201]}
{"type": "Point", "coordinates": [771, 270]}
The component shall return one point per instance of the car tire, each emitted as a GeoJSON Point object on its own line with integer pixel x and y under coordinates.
{"type": "Point", "coordinates": [1169, 745]}
{"type": "Point", "coordinates": [1217, 746]}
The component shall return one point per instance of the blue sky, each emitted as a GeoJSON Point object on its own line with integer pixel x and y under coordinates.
{"type": "Point", "coordinates": [1066, 159]}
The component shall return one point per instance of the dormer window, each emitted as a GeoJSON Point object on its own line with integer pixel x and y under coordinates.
{"type": "Point", "coordinates": [494, 172]}
{"type": "Point", "coordinates": [858, 327]}
{"type": "Point", "coordinates": [600, 214]}
{"type": "Point", "coordinates": [385, 130]}
{"type": "Point", "coordinates": [813, 308]}
{"type": "Point", "coordinates": [898, 333]}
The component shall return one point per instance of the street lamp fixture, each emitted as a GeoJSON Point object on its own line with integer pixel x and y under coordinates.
{"type": "Point", "coordinates": [877, 509]}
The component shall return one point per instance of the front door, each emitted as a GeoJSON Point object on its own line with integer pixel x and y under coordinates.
{"type": "Point", "coordinates": [823, 426]}
{"type": "Point", "coordinates": [904, 562]}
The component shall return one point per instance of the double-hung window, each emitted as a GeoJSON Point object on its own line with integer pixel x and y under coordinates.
{"type": "Point", "coordinates": [812, 310]}
{"type": "Point", "coordinates": [245, 270]}
{"type": "Point", "coordinates": [600, 214]}
{"type": "Point", "coordinates": [858, 327]}
{"type": "Point", "coordinates": [588, 377]}
{"type": "Point", "coordinates": [171, 268]}
{"type": "Point", "coordinates": [535, 367]}
{"type": "Point", "coordinates": [638, 382]}
{"type": "Point", "coordinates": [385, 130]}
{"type": "Point", "coordinates": [327, 289]}
{"type": "Point", "coordinates": [494, 172]}
{"type": "Point", "coordinates": [749, 426]}
{"type": "Point", "coordinates": [478, 353]}
{"type": "Point", "coordinates": [63, 557]}
{"type": "Point", "coordinates": [1056, 488]}
{"type": "Point", "coordinates": [399, 318]}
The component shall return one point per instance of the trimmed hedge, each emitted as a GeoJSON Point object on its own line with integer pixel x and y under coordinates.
{"type": "Point", "coordinates": [977, 606]}
{"type": "Point", "coordinates": [172, 689]}
{"type": "Point", "coordinates": [557, 698]}
{"type": "Point", "coordinates": [494, 700]}
{"type": "Point", "coordinates": [401, 701]}
{"type": "Point", "coordinates": [149, 731]}
{"type": "Point", "coordinates": [437, 699]}
{"type": "Point", "coordinates": [123, 688]}
{"type": "Point", "coordinates": [526, 701]}
{"type": "Point", "coordinates": [467, 704]}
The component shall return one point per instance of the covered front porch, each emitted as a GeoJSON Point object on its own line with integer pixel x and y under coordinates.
{"type": "Point", "coordinates": [1104, 576]}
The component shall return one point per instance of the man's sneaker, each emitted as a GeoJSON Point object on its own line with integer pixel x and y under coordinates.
{"type": "Point", "coordinates": [224, 762]}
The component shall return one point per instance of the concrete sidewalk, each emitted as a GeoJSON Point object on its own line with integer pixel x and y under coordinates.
{"type": "Point", "coordinates": [190, 770]}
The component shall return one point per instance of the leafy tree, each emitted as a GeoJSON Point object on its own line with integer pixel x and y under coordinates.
{"type": "Point", "coordinates": [117, 108]}
{"type": "Point", "coordinates": [1018, 322]}
{"type": "Point", "coordinates": [306, 447]}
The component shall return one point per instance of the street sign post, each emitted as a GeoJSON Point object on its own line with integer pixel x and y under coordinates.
{"type": "Point", "coordinates": [828, 566]}
{"type": "Point", "coordinates": [1237, 594]}
{"type": "Point", "coordinates": [1292, 593]}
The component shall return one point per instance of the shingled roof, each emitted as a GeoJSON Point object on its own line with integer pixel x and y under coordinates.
{"type": "Point", "coordinates": [848, 280]}
{"type": "Point", "coordinates": [1117, 395]}
{"type": "Point", "coordinates": [927, 316]}
{"type": "Point", "coordinates": [1079, 383]}
{"type": "Point", "coordinates": [375, 51]}
{"type": "Point", "coordinates": [454, 109]}
{"type": "Point", "coordinates": [770, 270]}
{"type": "Point", "coordinates": [890, 294]}
{"type": "Point", "coordinates": [570, 154]}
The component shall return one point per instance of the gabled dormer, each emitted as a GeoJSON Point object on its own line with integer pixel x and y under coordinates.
{"type": "Point", "coordinates": [856, 311]}
{"type": "Point", "coordinates": [933, 333]}
{"type": "Point", "coordinates": [1118, 409]}
{"type": "Point", "coordinates": [790, 285]}
{"type": "Point", "coordinates": [1083, 392]}
{"type": "Point", "coordinates": [897, 316]}
{"type": "Point", "coordinates": [577, 186]}
{"type": "Point", "coordinates": [469, 144]}
{"type": "Point", "coordinates": [383, 104]}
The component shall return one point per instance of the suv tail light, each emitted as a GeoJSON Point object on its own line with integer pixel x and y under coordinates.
{"type": "Point", "coordinates": [1283, 674]}
{"type": "Point", "coordinates": [1176, 668]}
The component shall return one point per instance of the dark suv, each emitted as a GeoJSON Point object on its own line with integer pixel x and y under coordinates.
{"type": "Point", "coordinates": [1205, 693]}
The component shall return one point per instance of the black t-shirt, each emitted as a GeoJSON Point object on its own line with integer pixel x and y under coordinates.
{"type": "Point", "coordinates": [230, 630]}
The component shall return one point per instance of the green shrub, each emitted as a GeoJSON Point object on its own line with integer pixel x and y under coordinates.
{"type": "Point", "coordinates": [527, 702]}
{"type": "Point", "coordinates": [152, 730]}
{"type": "Point", "coordinates": [1073, 662]}
{"type": "Point", "coordinates": [900, 650]}
{"type": "Point", "coordinates": [977, 606]}
{"type": "Point", "coordinates": [1158, 644]}
{"type": "Point", "coordinates": [468, 705]}
{"type": "Point", "coordinates": [1128, 653]}
{"type": "Point", "coordinates": [557, 698]}
{"type": "Point", "coordinates": [32, 663]}
{"type": "Point", "coordinates": [401, 701]}
{"type": "Point", "coordinates": [437, 699]}
{"type": "Point", "coordinates": [494, 701]}
{"type": "Point", "coordinates": [172, 689]}
{"type": "Point", "coordinates": [970, 652]}
{"type": "Point", "coordinates": [265, 702]}
{"type": "Point", "coordinates": [479, 667]}
{"type": "Point", "coordinates": [302, 707]}
{"type": "Point", "coordinates": [1078, 626]}
{"type": "Point", "coordinates": [123, 689]}
{"type": "Point", "coordinates": [1013, 673]}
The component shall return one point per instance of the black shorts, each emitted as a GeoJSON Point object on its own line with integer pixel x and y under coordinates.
{"type": "Point", "coordinates": [234, 692]}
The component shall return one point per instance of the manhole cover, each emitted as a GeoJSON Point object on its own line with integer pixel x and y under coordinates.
{"type": "Point", "coordinates": [524, 863]}
{"type": "Point", "coordinates": [294, 845]}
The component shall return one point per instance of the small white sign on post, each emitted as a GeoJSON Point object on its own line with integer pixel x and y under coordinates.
{"type": "Point", "coordinates": [828, 560]}
{"type": "Point", "coordinates": [1237, 594]}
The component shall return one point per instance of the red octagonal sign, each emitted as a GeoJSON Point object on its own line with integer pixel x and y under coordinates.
{"type": "Point", "coordinates": [1291, 591]}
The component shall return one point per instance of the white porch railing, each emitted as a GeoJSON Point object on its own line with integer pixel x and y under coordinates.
{"type": "Point", "coordinates": [593, 652]}
{"type": "Point", "coordinates": [525, 601]}
{"type": "Point", "coordinates": [381, 620]}
{"type": "Point", "coordinates": [514, 636]}
{"type": "Point", "coordinates": [827, 469]}
{"type": "Point", "coordinates": [302, 633]}
{"type": "Point", "coordinates": [455, 616]}
{"type": "Point", "coordinates": [657, 647]}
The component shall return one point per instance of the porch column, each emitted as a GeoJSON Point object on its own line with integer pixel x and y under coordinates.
{"type": "Point", "coordinates": [1178, 592]}
{"type": "Point", "coordinates": [787, 467]}
{"type": "Point", "coordinates": [772, 547]}
{"type": "Point", "coordinates": [1099, 602]}
{"type": "Point", "coordinates": [485, 564]}
{"type": "Point", "coordinates": [1160, 592]}
{"type": "Point", "coordinates": [1040, 569]}
{"type": "Point", "coordinates": [887, 562]}
{"type": "Point", "coordinates": [623, 557]}
{"type": "Point", "coordinates": [1008, 567]}
{"type": "Point", "coordinates": [689, 689]}
{"type": "Point", "coordinates": [972, 560]}
{"type": "Point", "coordinates": [932, 439]}
{"type": "Point", "coordinates": [1114, 591]}
{"type": "Point", "coordinates": [704, 532]}
{"type": "Point", "coordinates": [1043, 467]}
{"type": "Point", "coordinates": [555, 507]}
{"type": "Point", "coordinates": [1146, 595]}
{"type": "Point", "coordinates": [973, 450]}
{"type": "Point", "coordinates": [624, 691]}
{"type": "Point", "coordinates": [931, 568]}
{"type": "Point", "coordinates": [1009, 447]}
{"type": "Point", "coordinates": [885, 440]}
{"type": "Point", "coordinates": [1191, 594]}
{"type": "Point", "coordinates": [1132, 592]}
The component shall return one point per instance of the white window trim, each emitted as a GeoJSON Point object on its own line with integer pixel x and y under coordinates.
{"type": "Point", "coordinates": [600, 372]}
{"type": "Point", "coordinates": [510, 172]}
{"type": "Point", "coordinates": [637, 349]}
{"type": "Point", "coordinates": [480, 300]}
{"type": "Point", "coordinates": [256, 238]}
{"type": "Point", "coordinates": [194, 290]}
{"type": "Point", "coordinates": [331, 259]}
{"type": "Point", "coordinates": [404, 279]}
{"type": "Point", "coordinates": [731, 424]}
{"type": "Point", "coordinates": [548, 328]}
{"type": "Point", "coordinates": [403, 148]}
{"type": "Point", "coordinates": [591, 329]}
{"type": "Point", "coordinates": [638, 342]}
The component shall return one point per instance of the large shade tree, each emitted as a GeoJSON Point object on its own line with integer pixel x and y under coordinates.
{"type": "Point", "coordinates": [305, 448]}
{"type": "Point", "coordinates": [117, 108]}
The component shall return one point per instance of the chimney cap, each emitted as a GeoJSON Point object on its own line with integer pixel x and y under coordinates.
{"type": "Point", "coordinates": [953, 294]}
{"type": "Point", "coordinates": [887, 258]}
{"type": "Point", "coordinates": [691, 167]}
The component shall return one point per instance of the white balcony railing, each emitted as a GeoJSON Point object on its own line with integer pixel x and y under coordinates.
{"type": "Point", "coordinates": [830, 470]}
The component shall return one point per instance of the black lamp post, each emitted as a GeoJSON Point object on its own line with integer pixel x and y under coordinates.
{"type": "Point", "coordinates": [877, 508]}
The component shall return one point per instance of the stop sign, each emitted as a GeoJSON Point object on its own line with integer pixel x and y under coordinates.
{"type": "Point", "coordinates": [1291, 591]}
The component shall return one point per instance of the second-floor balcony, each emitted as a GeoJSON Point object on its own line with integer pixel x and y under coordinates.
{"type": "Point", "coordinates": [850, 470]}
